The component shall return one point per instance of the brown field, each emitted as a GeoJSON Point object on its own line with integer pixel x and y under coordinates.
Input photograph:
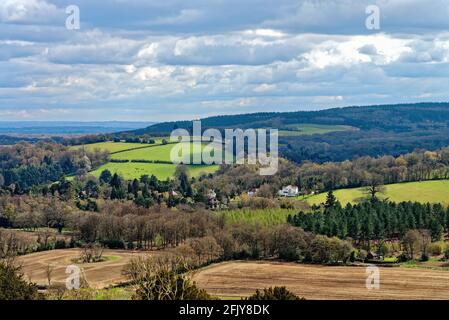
{"type": "Point", "coordinates": [98, 275]}
{"type": "Point", "coordinates": [241, 279]}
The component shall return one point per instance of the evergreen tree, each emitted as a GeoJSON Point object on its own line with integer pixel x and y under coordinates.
{"type": "Point", "coordinates": [105, 176]}
{"type": "Point", "coordinates": [331, 200]}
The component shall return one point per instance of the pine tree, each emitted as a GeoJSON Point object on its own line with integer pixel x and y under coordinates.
{"type": "Point", "coordinates": [331, 200]}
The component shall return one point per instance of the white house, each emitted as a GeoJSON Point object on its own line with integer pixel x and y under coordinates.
{"type": "Point", "coordinates": [211, 194]}
{"type": "Point", "coordinates": [289, 191]}
{"type": "Point", "coordinates": [252, 192]}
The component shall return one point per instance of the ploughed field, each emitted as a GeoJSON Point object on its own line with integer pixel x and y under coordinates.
{"type": "Point", "coordinates": [241, 279]}
{"type": "Point", "coordinates": [98, 275]}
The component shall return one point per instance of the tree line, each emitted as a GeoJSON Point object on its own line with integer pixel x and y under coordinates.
{"type": "Point", "coordinates": [126, 225]}
{"type": "Point", "coordinates": [24, 166]}
{"type": "Point", "coordinates": [376, 220]}
{"type": "Point", "coordinates": [310, 177]}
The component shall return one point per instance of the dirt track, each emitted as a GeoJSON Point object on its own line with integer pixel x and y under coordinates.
{"type": "Point", "coordinates": [98, 275]}
{"type": "Point", "coordinates": [240, 279]}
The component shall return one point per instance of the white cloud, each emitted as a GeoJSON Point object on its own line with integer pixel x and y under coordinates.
{"type": "Point", "coordinates": [27, 11]}
{"type": "Point", "coordinates": [265, 88]}
{"type": "Point", "coordinates": [152, 60]}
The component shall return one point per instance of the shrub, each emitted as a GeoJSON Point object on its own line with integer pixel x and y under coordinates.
{"type": "Point", "coordinates": [130, 245]}
{"type": "Point", "coordinates": [157, 278]}
{"type": "Point", "coordinates": [13, 286]}
{"type": "Point", "coordinates": [92, 253]}
{"type": "Point", "coordinates": [362, 255]}
{"type": "Point", "coordinates": [60, 244]}
{"type": "Point", "coordinates": [274, 293]}
{"type": "Point", "coordinates": [435, 249]}
{"type": "Point", "coordinates": [113, 244]}
{"type": "Point", "coordinates": [446, 254]}
{"type": "Point", "coordinates": [424, 257]}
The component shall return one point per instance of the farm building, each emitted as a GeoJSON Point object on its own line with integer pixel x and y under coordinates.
{"type": "Point", "coordinates": [289, 191]}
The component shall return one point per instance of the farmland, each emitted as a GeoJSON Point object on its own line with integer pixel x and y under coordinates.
{"type": "Point", "coordinates": [436, 191]}
{"type": "Point", "coordinates": [98, 275]}
{"type": "Point", "coordinates": [128, 152]}
{"type": "Point", "coordinates": [264, 217]}
{"type": "Point", "coordinates": [111, 147]}
{"type": "Point", "coordinates": [155, 153]}
{"type": "Point", "coordinates": [241, 279]}
{"type": "Point", "coordinates": [131, 170]}
{"type": "Point", "coordinates": [309, 129]}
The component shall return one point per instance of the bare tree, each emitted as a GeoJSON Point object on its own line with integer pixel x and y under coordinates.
{"type": "Point", "coordinates": [49, 273]}
{"type": "Point", "coordinates": [92, 253]}
{"type": "Point", "coordinates": [159, 278]}
{"type": "Point", "coordinates": [374, 187]}
{"type": "Point", "coordinates": [412, 242]}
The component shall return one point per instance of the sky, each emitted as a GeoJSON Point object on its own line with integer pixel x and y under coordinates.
{"type": "Point", "coordinates": [170, 60]}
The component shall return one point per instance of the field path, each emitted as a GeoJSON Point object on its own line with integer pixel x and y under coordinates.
{"type": "Point", "coordinates": [241, 279]}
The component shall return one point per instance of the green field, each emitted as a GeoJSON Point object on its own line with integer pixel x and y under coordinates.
{"type": "Point", "coordinates": [309, 129]}
{"type": "Point", "coordinates": [139, 151]}
{"type": "Point", "coordinates": [162, 171]}
{"type": "Point", "coordinates": [264, 217]}
{"type": "Point", "coordinates": [111, 147]}
{"type": "Point", "coordinates": [154, 153]}
{"type": "Point", "coordinates": [425, 191]}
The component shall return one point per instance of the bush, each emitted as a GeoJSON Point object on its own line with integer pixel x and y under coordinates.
{"type": "Point", "coordinates": [424, 257]}
{"type": "Point", "coordinates": [446, 254]}
{"type": "Point", "coordinates": [157, 278]}
{"type": "Point", "coordinates": [435, 249]}
{"type": "Point", "coordinates": [130, 245]}
{"type": "Point", "coordinates": [118, 160]}
{"type": "Point", "coordinates": [13, 286]}
{"type": "Point", "coordinates": [329, 250]}
{"type": "Point", "coordinates": [274, 293]}
{"type": "Point", "coordinates": [113, 244]}
{"type": "Point", "coordinates": [362, 255]}
{"type": "Point", "coordinates": [60, 244]}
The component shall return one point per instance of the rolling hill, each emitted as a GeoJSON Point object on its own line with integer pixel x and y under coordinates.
{"type": "Point", "coordinates": [374, 130]}
{"type": "Point", "coordinates": [130, 156]}
{"type": "Point", "coordinates": [435, 191]}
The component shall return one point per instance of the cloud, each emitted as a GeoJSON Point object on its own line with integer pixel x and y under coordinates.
{"type": "Point", "coordinates": [174, 59]}
{"type": "Point", "coordinates": [27, 11]}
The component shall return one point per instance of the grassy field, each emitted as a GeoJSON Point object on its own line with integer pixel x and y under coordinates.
{"type": "Point", "coordinates": [139, 151]}
{"type": "Point", "coordinates": [162, 171]}
{"type": "Point", "coordinates": [157, 152]}
{"type": "Point", "coordinates": [425, 191]}
{"type": "Point", "coordinates": [111, 147]}
{"type": "Point", "coordinates": [264, 217]}
{"type": "Point", "coordinates": [241, 279]}
{"type": "Point", "coordinates": [308, 129]}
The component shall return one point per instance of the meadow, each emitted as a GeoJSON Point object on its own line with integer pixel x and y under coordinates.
{"type": "Point", "coordinates": [157, 152]}
{"type": "Point", "coordinates": [309, 129]}
{"type": "Point", "coordinates": [132, 170]}
{"type": "Point", "coordinates": [112, 147]}
{"type": "Point", "coordinates": [435, 191]}
{"type": "Point", "coordinates": [124, 151]}
{"type": "Point", "coordinates": [265, 217]}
